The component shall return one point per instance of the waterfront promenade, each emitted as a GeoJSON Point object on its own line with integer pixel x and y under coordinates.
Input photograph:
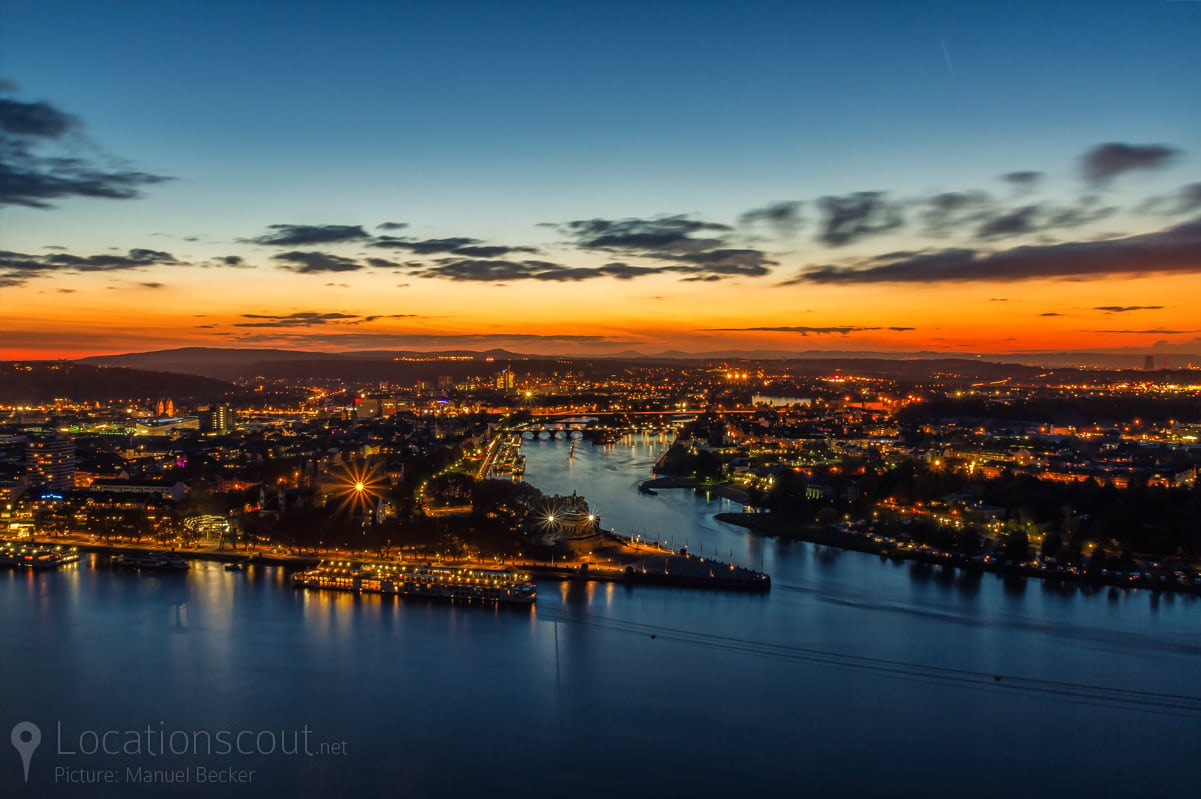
{"type": "Point", "coordinates": [611, 558]}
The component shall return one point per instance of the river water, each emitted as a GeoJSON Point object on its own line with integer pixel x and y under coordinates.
{"type": "Point", "coordinates": [852, 677]}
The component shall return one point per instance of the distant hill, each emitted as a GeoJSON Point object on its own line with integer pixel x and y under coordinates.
{"type": "Point", "coordinates": [215, 362]}
{"type": "Point", "coordinates": [406, 366]}
{"type": "Point", "coordinates": [33, 382]}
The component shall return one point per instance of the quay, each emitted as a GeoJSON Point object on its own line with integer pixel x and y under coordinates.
{"type": "Point", "coordinates": [617, 559]}
{"type": "Point", "coordinates": [614, 558]}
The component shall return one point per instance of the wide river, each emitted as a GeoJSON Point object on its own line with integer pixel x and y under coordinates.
{"type": "Point", "coordinates": [853, 677]}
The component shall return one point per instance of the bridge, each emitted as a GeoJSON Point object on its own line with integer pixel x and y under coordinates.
{"type": "Point", "coordinates": [616, 422]}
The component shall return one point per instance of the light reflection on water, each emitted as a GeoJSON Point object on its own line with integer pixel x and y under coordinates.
{"type": "Point", "coordinates": [606, 687]}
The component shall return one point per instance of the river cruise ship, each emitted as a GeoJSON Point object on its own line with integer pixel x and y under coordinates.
{"type": "Point", "coordinates": [455, 583]}
{"type": "Point", "coordinates": [36, 556]}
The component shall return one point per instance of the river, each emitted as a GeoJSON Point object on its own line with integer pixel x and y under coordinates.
{"type": "Point", "coordinates": [853, 677]}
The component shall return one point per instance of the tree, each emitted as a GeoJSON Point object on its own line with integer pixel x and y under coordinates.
{"type": "Point", "coordinates": [1017, 545]}
{"type": "Point", "coordinates": [787, 494]}
{"type": "Point", "coordinates": [969, 542]}
{"type": "Point", "coordinates": [505, 500]}
{"type": "Point", "coordinates": [452, 488]}
{"type": "Point", "coordinates": [707, 466]}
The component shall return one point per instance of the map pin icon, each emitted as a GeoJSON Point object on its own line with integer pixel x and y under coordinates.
{"type": "Point", "coordinates": [26, 737]}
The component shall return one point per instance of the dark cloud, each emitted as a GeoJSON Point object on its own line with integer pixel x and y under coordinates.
{"type": "Point", "coordinates": [709, 265]}
{"type": "Point", "coordinates": [1107, 161]}
{"type": "Point", "coordinates": [426, 247]}
{"type": "Point", "coordinates": [1184, 200]}
{"type": "Point", "coordinates": [947, 212]}
{"type": "Point", "coordinates": [627, 272]}
{"type": "Point", "coordinates": [728, 262]}
{"type": "Point", "coordinates": [391, 226]}
{"type": "Point", "coordinates": [1051, 313]}
{"type": "Point", "coordinates": [460, 245]}
{"type": "Point", "coordinates": [1159, 331]}
{"type": "Point", "coordinates": [851, 217]}
{"type": "Point", "coordinates": [381, 263]}
{"type": "Point", "coordinates": [492, 270]}
{"type": "Point", "coordinates": [664, 237]}
{"type": "Point", "coordinates": [16, 268]}
{"type": "Point", "coordinates": [783, 217]}
{"type": "Point", "coordinates": [31, 178]}
{"type": "Point", "coordinates": [1044, 217]}
{"type": "Point", "coordinates": [1174, 250]}
{"type": "Point", "coordinates": [1127, 308]}
{"type": "Point", "coordinates": [1088, 209]}
{"type": "Point", "coordinates": [313, 262]}
{"type": "Point", "coordinates": [228, 262]}
{"type": "Point", "coordinates": [387, 316]}
{"type": "Point", "coordinates": [298, 319]}
{"type": "Point", "coordinates": [313, 319]}
{"type": "Point", "coordinates": [103, 263]}
{"type": "Point", "coordinates": [804, 331]}
{"type": "Point", "coordinates": [1023, 180]}
{"type": "Point", "coordinates": [1016, 222]}
{"type": "Point", "coordinates": [490, 250]}
{"type": "Point", "coordinates": [152, 285]}
{"type": "Point", "coordinates": [302, 235]}
{"type": "Point", "coordinates": [668, 239]}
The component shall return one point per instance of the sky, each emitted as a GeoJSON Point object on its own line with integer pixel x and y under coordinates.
{"type": "Point", "coordinates": [594, 178]}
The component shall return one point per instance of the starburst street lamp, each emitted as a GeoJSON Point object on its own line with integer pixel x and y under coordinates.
{"type": "Point", "coordinates": [360, 490]}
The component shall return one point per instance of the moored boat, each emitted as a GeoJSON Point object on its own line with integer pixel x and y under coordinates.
{"type": "Point", "coordinates": [433, 582]}
{"type": "Point", "coordinates": [21, 554]}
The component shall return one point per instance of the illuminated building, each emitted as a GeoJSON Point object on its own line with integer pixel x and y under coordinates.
{"type": "Point", "coordinates": [51, 461]}
{"type": "Point", "coordinates": [506, 380]}
{"type": "Point", "coordinates": [217, 419]}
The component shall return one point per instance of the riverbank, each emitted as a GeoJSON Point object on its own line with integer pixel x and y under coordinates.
{"type": "Point", "coordinates": [266, 557]}
{"type": "Point", "coordinates": [728, 491]}
{"type": "Point", "coordinates": [615, 558]}
{"type": "Point", "coordinates": [612, 558]}
{"type": "Point", "coordinates": [899, 549]}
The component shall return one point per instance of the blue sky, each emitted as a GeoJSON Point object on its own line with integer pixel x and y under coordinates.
{"type": "Point", "coordinates": [486, 119]}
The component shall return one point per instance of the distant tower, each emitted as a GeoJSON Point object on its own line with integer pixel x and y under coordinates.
{"type": "Point", "coordinates": [1149, 363]}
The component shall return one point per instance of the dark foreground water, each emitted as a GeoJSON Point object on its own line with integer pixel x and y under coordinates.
{"type": "Point", "coordinates": [853, 677]}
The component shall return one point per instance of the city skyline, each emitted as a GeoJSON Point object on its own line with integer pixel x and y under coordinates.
{"type": "Point", "coordinates": [600, 178]}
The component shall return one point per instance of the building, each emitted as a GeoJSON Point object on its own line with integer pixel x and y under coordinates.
{"type": "Point", "coordinates": [217, 419]}
{"type": "Point", "coordinates": [50, 461]}
{"type": "Point", "coordinates": [506, 380]}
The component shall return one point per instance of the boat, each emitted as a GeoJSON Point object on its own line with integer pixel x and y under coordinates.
{"type": "Point", "coordinates": [151, 561]}
{"type": "Point", "coordinates": [30, 555]}
{"type": "Point", "coordinates": [236, 566]}
{"type": "Point", "coordinates": [458, 584]}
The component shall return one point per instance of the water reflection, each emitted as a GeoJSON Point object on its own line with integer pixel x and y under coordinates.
{"type": "Point", "coordinates": [697, 693]}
